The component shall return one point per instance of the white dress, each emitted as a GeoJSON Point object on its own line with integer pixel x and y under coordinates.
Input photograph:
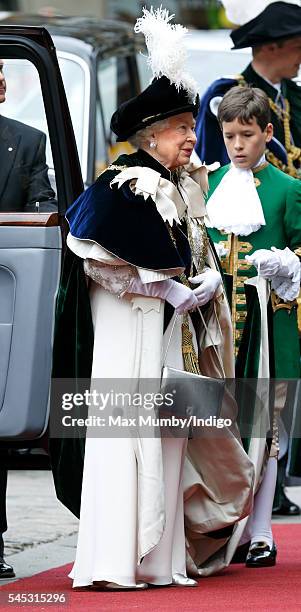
{"type": "Point", "coordinates": [132, 518]}
{"type": "Point", "coordinates": [132, 496]}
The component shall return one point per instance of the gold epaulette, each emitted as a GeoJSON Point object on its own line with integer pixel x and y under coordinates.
{"type": "Point", "coordinates": [241, 80]}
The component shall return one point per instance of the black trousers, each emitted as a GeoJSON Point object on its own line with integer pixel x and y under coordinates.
{"type": "Point", "coordinates": [3, 483]}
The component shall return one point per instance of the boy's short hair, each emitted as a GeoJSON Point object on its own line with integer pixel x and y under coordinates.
{"type": "Point", "coordinates": [245, 103]}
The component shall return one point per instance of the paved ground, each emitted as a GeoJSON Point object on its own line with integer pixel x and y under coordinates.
{"type": "Point", "coordinates": [35, 516]}
{"type": "Point", "coordinates": [42, 533]}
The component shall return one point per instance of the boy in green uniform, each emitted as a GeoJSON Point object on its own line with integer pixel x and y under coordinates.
{"type": "Point", "coordinates": [254, 213]}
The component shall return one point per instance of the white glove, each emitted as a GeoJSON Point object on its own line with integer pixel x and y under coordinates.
{"type": "Point", "coordinates": [282, 266]}
{"type": "Point", "coordinates": [287, 283]}
{"type": "Point", "coordinates": [208, 283]}
{"type": "Point", "coordinates": [269, 263]}
{"type": "Point", "coordinates": [182, 298]}
{"type": "Point", "coordinates": [221, 251]}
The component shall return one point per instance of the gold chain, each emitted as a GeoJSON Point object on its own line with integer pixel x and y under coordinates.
{"type": "Point", "coordinates": [293, 153]}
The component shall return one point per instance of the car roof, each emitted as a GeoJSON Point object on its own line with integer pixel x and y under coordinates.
{"type": "Point", "coordinates": [105, 35]}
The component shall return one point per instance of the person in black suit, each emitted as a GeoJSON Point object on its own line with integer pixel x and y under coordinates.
{"type": "Point", "coordinates": [24, 183]}
{"type": "Point", "coordinates": [24, 187]}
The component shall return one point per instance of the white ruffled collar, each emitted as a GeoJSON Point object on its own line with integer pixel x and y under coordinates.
{"type": "Point", "coordinates": [235, 206]}
{"type": "Point", "coordinates": [171, 201]}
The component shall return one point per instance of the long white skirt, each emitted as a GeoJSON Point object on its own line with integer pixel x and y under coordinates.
{"type": "Point", "coordinates": [132, 491]}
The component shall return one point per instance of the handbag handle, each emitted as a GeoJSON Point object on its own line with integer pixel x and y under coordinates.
{"type": "Point", "coordinates": [169, 339]}
{"type": "Point", "coordinates": [208, 332]}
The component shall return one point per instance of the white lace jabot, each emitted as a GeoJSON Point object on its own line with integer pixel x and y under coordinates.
{"type": "Point", "coordinates": [235, 206]}
{"type": "Point", "coordinates": [171, 200]}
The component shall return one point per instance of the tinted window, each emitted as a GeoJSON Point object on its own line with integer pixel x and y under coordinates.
{"type": "Point", "coordinates": [114, 87]}
{"type": "Point", "coordinates": [27, 184]}
{"type": "Point", "coordinates": [25, 103]}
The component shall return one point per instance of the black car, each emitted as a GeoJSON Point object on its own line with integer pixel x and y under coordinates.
{"type": "Point", "coordinates": [98, 60]}
{"type": "Point", "coordinates": [104, 72]}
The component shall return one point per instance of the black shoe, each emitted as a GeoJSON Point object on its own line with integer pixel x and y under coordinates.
{"type": "Point", "coordinates": [6, 571]}
{"type": "Point", "coordinates": [261, 555]}
{"type": "Point", "coordinates": [286, 507]}
{"type": "Point", "coordinates": [240, 554]}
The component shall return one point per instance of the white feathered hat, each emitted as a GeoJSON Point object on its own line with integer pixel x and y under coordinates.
{"type": "Point", "coordinates": [172, 90]}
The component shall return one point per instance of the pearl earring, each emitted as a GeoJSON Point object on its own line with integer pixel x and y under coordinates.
{"type": "Point", "coordinates": [152, 145]}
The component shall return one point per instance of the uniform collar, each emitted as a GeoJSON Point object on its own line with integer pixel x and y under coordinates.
{"type": "Point", "coordinates": [251, 76]}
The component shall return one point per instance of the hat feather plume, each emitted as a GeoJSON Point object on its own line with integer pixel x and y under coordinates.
{"type": "Point", "coordinates": [167, 53]}
{"type": "Point", "coordinates": [241, 11]}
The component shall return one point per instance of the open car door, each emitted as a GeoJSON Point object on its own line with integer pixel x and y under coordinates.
{"type": "Point", "coordinates": [33, 200]}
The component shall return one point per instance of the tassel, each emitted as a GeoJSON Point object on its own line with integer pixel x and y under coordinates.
{"type": "Point", "coordinates": [190, 359]}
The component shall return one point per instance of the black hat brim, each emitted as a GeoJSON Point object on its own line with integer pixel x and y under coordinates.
{"type": "Point", "coordinates": [158, 117]}
{"type": "Point", "coordinates": [160, 100]}
{"type": "Point", "coordinates": [278, 21]}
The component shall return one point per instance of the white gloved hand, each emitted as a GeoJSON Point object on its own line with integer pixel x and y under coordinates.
{"type": "Point", "coordinates": [221, 251]}
{"type": "Point", "coordinates": [269, 263]}
{"type": "Point", "coordinates": [182, 298]}
{"type": "Point", "coordinates": [208, 283]}
{"type": "Point", "coordinates": [282, 266]}
{"type": "Point", "coordinates": [287, 283]}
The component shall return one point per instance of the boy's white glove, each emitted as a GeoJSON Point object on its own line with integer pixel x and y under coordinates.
{"type": "Point", "coordinates": [182, 298]}
{"type": "Point", "coordinates": [269, 263]}
{"type": "Point", "coordinates": [208, 283]}
{"type": "Point", "coordinates": [282, 266]}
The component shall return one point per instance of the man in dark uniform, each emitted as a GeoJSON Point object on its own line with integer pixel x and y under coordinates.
{"type": "Point", "coordinates": [275, 38]}
{"type": "Point", "coordinates": [24, 187]}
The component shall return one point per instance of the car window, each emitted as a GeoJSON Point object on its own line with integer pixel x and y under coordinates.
{"type": "Point", "coordinates": [24, 100]}
{"type": "Point", "coordinates": [107, 83]}
{"type": "Point", "coordinates": [145, 74]}
{"type": "Point", "coordinates": [76, 79]}
{"type": "Point", "coordinates": [27, 178]}
{"type": "Point", "coordinates": [114, 87]}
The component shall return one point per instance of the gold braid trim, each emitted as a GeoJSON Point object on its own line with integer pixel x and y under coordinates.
{"type": "Point", "coordinates": [293, 153]}
{"type": "Point", "coordinates": [279, 304]}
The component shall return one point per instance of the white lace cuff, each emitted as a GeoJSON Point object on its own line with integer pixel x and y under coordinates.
{"type": "Point", "coordinates": [287, 283]}
{"type": "Point", "coordinates": [114, 279]}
